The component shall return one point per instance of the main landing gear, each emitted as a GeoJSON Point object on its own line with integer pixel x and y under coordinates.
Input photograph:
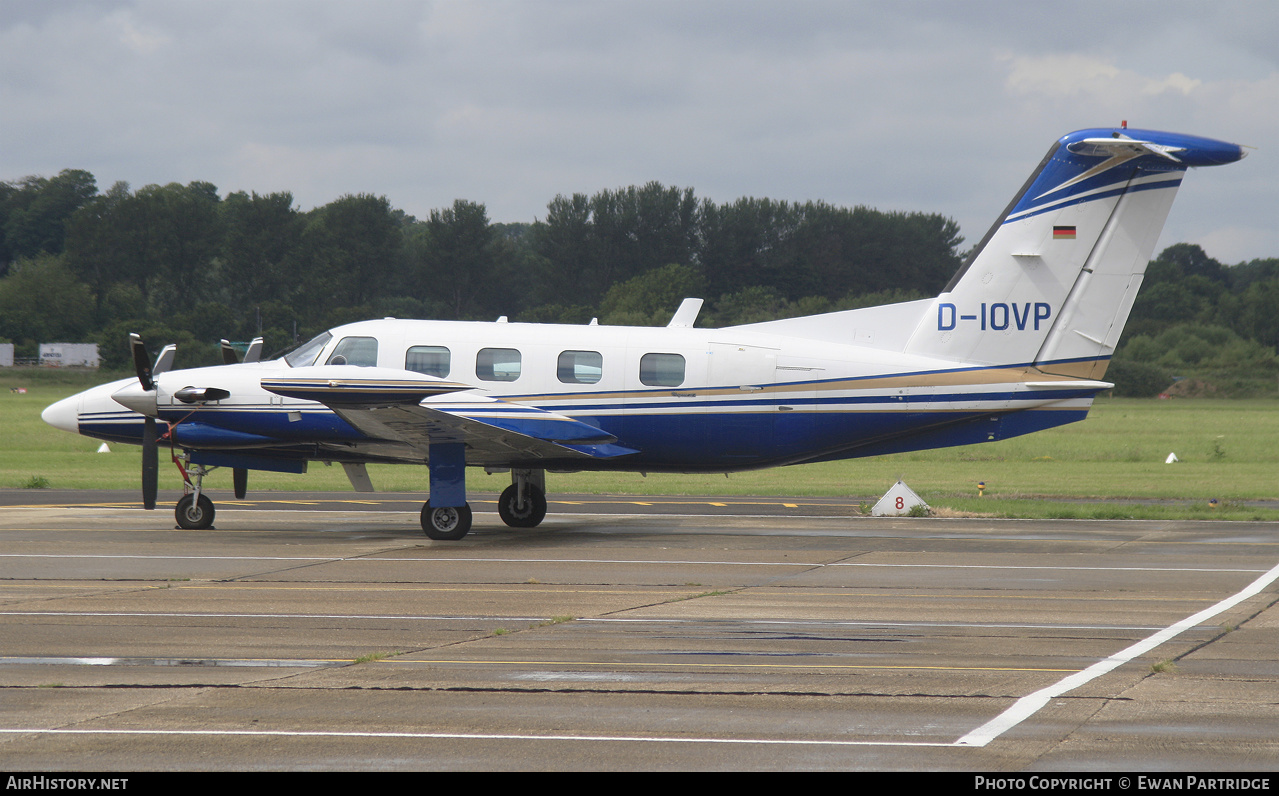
{"type": "Point", "coordinates": [522, 505]}
{"type": "Point", "coordinates": [446, 523]}
{"type": "Point", "coordinates": [522, 511]}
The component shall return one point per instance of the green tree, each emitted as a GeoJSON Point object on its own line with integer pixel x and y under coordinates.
{"type": "Point", "coordinates": [588, 245]}
{"type": "Point", "coordinates": [1258, 313]}
{"type": "Point", "coordinates": [41, 301]}
{"type": "Point", "coordinates": [348, 255]}
{"type": "Point", "coordinates": [35, 210]}
{"type": "Point", "coordinates": [259, 250]}
{"type": "Point", "coordinates": [165, 240]}
{"type": "Point", "coordinates": [452, 263]}
{"type": "Point", "coordinates": [651, 298]}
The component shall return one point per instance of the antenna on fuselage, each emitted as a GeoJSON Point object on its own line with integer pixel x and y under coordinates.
{"type": "Point", "coordinates": [686, 314]}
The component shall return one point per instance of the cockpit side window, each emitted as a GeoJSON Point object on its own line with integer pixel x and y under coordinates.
{"type": "Point", "coordinates": [361, 351]}
{"type": "Point", "coordinates": [306, 353]}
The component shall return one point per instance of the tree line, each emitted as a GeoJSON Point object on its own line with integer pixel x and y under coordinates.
{"type": "Point", "coordinates": [181, 263]}
{"type": "Point", "coordinates": [1212, 326]}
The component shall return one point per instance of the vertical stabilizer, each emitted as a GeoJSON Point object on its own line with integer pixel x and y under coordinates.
{"type": "Point", "coordinates": [1051, 284]}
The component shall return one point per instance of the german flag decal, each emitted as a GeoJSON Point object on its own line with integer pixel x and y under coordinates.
{"type": "Point", "coordinates": [1063, 233]}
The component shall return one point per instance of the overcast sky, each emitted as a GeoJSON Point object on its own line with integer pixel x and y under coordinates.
{"type": "Point", "coordinates": [932, 106]}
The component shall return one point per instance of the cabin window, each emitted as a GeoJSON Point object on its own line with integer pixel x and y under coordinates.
{"type": "Point", "coordinates": [580, 367]}
{"type": "Point", "coordinates": [433, 360]}
{"type": "Point", "coordinates": [497, 364]}
{"type": "Point", "coordinates": [662, 370]}
{"type": "Point", "coordinates": [305, 354]}
{"type": "Point", "coordinates": [361, 351]}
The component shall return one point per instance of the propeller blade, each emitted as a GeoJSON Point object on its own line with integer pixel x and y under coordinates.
{"type": "Point", "coordinates": [141, 362]}
{"type": "Point", "coordinates": [150, 464]}
{"type": "Point", "coordinates": [255, 350]}
{"type": "Point", "coordinates": [164, 362]}
{"type": "Point", "coordinates": [240, 480]}
{"type": "Point", "coordinates": [229, 357]}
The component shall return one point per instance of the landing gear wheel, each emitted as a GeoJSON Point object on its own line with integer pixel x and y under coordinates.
{"type": "Point", "coordinates": [194, 515]}
{"type": "Point", "coordinates": [446, 523]}
{"type": "Point", "coordinates": [530, 515]}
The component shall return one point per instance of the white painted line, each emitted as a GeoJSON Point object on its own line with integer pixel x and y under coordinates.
{"type": "Point", "coordinates": [581, 620]}
{"type": "Point", "coordinates": [668, 562]}
{"type": "Point", "coordinates": [866, 624]}
{"type": "Point", "coordinates": [179, 662]}
{"type": "Point", "coordinates": [177, 558]}
{"type": "Point", "coordinates": [327, 617]}
{"type": "Point", "coordinates": [1030, 704]}
{"type": "Point", "coordinates": [1041, 566]}
{"type": "Point", "coordinates": [478, 736]}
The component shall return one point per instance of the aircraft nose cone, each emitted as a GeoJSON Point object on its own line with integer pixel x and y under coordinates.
{"type": "Point", "coordinates": [64, 414]}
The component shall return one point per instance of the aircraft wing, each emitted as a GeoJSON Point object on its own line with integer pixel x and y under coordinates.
{"type": "Point", "coordinates": [420, 414]}
{"type": "Point", "coordinates": [499, 433]}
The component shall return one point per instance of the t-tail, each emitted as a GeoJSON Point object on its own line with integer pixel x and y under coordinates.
{"type": "Point", "coordinates": [1051, 284]}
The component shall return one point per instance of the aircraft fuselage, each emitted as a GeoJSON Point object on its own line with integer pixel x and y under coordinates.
{"type": "Point", "coordinates": [684, 399]}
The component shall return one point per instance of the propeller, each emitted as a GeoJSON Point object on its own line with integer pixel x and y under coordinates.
{"type": "Point", "coordinates": [150, 464]}
{"type": "Point", "coordinates": [141, 362]}
{"type": "Point", "coordinates": [253, 354]}
{"type": "Point", "coordinates": [164, 362]}
{"type": "Point", "coordinates": [255, 350]}
{"type": "Point", "coordinates": [143, 399]}
{"type": "Point", "coordinates": [150, 446]}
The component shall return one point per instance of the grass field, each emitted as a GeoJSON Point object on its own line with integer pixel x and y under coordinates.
{"type": "Point", "coordinates": [1229, 451]}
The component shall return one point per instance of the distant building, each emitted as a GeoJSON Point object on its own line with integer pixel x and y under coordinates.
{"type": "Point", "coordinates": [6, 355]}
{"type": "Point", "coordinates": [65, 355]}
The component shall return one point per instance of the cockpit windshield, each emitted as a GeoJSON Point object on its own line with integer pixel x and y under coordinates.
{"type": "Point", "coordinates": [306, 353]}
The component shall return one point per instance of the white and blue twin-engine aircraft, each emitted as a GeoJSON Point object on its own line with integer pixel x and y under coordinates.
{"type": "Point", "coordinates": [1017, 342]}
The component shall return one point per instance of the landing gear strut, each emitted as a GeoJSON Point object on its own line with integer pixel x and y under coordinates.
{"type": "Point", "coordinates": [450, 518]}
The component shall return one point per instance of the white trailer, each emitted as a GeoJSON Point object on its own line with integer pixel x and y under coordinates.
{"type": "Point", "coordinates": [65, 355]}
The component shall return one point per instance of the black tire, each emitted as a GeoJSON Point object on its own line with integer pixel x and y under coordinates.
{"type": "Point", "coordinates": [195, 517]}
{"type": "Point", "coordinates": [446, 523]}
{"type": "Point", "coordinates": [532, 513]}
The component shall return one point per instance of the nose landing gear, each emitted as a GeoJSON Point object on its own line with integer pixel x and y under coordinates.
{"type": "Point", "coordinates": [194, 511]}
